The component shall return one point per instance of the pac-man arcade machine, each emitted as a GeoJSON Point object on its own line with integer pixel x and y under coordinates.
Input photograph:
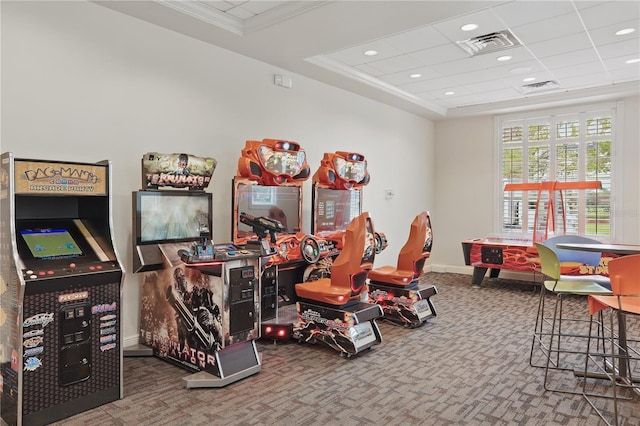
{"type": "Point", "coordinates": [60, 351]}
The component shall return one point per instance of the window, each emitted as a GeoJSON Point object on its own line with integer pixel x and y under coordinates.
{"type": "Point", "coordinates": [566, 147]}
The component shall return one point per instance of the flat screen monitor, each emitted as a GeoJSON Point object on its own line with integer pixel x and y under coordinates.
{"type": "Point", "coordinates": [283, 203]}
{"type": "Point", "coordinates": [170, 216]}
{"type": "Point", "coordinates": [50, 243]}
{"type": "Point", "coordinates": [333, 209]}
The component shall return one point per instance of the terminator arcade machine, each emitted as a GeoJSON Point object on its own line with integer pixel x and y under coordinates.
{"type": "Point", "coordinates": [199, 301]}
{"type": "Point", "coordinates": [60, 290]}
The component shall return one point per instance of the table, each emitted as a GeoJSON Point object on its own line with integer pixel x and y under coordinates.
{"type": "Point", "coordinates": [619, 249]}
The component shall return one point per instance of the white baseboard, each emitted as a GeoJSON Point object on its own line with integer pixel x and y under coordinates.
{"type": "Point", "coordinates": [130, 340]}
{"type": "Point", "coordinates": [504, 273]}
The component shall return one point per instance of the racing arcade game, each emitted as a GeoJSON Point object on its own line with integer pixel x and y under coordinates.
{"type": "Point", "coordinates": [267, 200]}
{"type": "Point", "coordinates": [333, 310]}
{"type": "Point", "coordinates": [199, 301]}
{"type": "Point", "coordinates": [60, 313]}
{"type": "Point", "coordinates": [337, 200]}
{"type": "Point", "coordinates": [397, 289]}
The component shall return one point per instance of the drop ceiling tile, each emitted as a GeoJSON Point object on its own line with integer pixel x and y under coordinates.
{"type": "Point", "coordinates": [395, 64]}
{"type": "Point", "coordinates": [401, 78]}
{"type": "Point", "coordinates": [624, 75]}
{"type": "Point", "coordinates": [368, 69]}
{"type": "Point", "coordinates": [550, 29]}
{"type": "Point", "coordinates": [440, 54]}
{"type": "Point", "coordinates": [622, 48]}
{"type": "Point", "coordinates": [441, 94]}
{"type": "Point", "coordinates": [566, 44]}
{"type": "Point", "coordinates": [438, 84]}
{"type": "Point", "coordinates": [517, 13]}
{"type": "Point", "coordinates": [586, 81]}
{"type": "Point", "coordinates": [620, 64]}
{"type": "Point", "coordinates": [355, 55]}
{"type": "Point", "coordinates": [610, 13]}
{"type": "Point", "coordinates": [571, 58]}
{"type": "Point", "coordinates": [488, 85]}
{"type": "Point", "coordinates": [582, 69]}
{"type": "Point", "coordinates": [607, 35]}
{"type": "Point", "coordinates": [518, 55]}
{"type": "Point", "coordinates": [487, 23]}
{"type": "Point", "coordinates": [416, 40]}
{"type": "Point", "coordinates": [461, 66]}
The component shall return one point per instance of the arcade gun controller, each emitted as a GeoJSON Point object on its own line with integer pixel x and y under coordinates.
{"type": "Point", "coordinates": [204, 252]}
{"type": "Point", "coordinates": [288, 247]}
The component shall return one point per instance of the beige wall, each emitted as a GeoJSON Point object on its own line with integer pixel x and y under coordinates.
{"type": "Point", "coordinates": [84, 83]}
{"type": "Point", "coordinates": [465, 197]}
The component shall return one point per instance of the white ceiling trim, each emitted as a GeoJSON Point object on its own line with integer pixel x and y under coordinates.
{"type": "Point", "coordinates": [280, 13]}
{"type": "Point", "coordinates": [238, 26]}
{"type": "Point", "coordinates": [207, 14]}
{"type": "Point", "coordinates": [345, 70]}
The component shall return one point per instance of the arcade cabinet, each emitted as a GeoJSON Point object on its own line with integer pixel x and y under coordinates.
{"type": "Point", "coordinates": [515, 251]}
{"type": "Point", "coordinates": [397, 289]}
{"type": "Point", "coordinates": [60, 312]}
{"type": "Point", "coordinates": [268, 189]}
{"type": "Point", "coordinates": [337, 200]}
{"type": "Point", "coordinates": [198, 306]}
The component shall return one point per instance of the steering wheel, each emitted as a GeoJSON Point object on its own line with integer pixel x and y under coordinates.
{"type": "Point", "coordinates": [310, 249]}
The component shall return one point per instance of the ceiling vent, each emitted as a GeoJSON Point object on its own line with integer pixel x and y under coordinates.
{"type": "Point", "coordinates": [540, 86]}
{"type": "Point", "coordinates": [488, 43]}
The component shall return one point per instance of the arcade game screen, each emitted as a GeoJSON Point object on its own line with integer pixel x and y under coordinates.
{"type": "Point", "coordinates": [335, 208]}
{"type": "Point", "coordinates": [49, 243]}
{"type": "Point", "coordinates": [281, 203]}
{"type": "Point", "coordinates": [171, 216]}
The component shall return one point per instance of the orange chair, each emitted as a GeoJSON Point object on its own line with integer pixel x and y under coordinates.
{"type": "Point", "coordinates": [412, 256]}
{"type": "Point", "coordinates": [350, 269]}
{"type": "Point", "coordinates": [618, 364]}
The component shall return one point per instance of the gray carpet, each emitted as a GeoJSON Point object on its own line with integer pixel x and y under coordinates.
{"type": "Point", "coordinates": [467, 366]}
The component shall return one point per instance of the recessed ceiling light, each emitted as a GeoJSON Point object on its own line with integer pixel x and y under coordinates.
{"type": "Point", "coordinates": [632, 61]}
{"type": "Point", "coordinates": [625, 31]}
{"type": "Point", "coordinates": [371, 52]}
{"type": "Point", "coordinates": [520, 70]}
{"type": "Point", "coordinates": [528, 79]}
{"type": "Point", "coordinates": [449, 93]}
{"type": "Point", "coordinates": [504, 58]}
{"type": "Point", "coordinates": [469, 27]}
{"type": "Point", "coordinates": [416, 75]}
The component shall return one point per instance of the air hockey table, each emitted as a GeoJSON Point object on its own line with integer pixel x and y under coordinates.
{"type": "Point", "coordinates": [495, 253]}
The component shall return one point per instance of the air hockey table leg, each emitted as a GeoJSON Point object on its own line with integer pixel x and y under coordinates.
{"type": "Point", "coordinates": [494, 272]}
{"type": "Point", "coordinates": [478, 275]}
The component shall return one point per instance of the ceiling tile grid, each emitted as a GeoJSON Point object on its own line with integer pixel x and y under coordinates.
{"type": "Point", "coordinates": [435, 65]}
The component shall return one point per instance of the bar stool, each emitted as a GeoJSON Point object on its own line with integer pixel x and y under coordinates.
{"type": "Point", "coordinates": [553, 327]}
{"type": "Point", "coordinates": [617, 366]}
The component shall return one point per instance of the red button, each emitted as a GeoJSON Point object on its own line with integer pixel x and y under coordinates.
{"type": "Point", "coordinates": [49, 272]}
{"type": "Point", "coordinates": [92, 267]}
{"type": "Point", "coordinates": [72, 265]}
{"type": "Point", "coordinates": [99, 267]}
{"type": "Point", "coordinates": [41, 273]}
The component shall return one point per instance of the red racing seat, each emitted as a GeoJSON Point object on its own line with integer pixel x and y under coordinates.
{"type": "Point", "coordinates": [412, 256]}
{"type": "Point", "coordinates": [349, 270]}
